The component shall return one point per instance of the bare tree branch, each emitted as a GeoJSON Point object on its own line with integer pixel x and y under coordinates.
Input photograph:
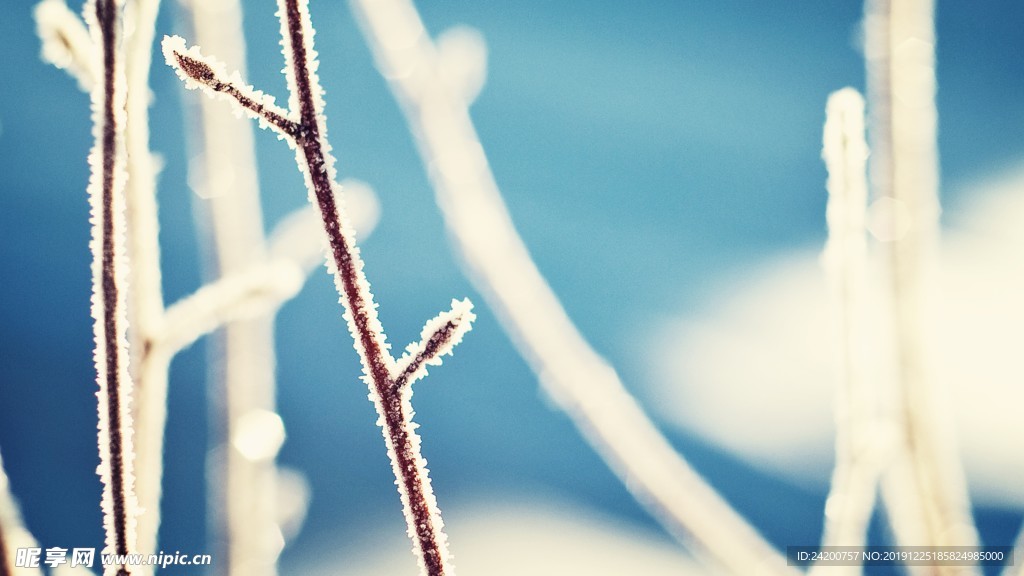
{"type": "Point", "coordinates": [106, 192]}
{"type": "Point", "coordinates": [304, 128]}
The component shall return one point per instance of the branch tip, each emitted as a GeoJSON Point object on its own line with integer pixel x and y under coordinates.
{"type": "Point", "coordinates": [438, 337]}
{"type": "Point", "coordinates": [199, 71]}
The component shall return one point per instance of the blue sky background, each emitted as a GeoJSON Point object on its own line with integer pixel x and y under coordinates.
{"type": "Point", "coordinates": [644, 148]}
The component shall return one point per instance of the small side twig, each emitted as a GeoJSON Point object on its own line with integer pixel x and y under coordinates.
{"type": "Point", "coordinates": [303, 127]}
{"type": "Point", "coordinates": [106, 193]}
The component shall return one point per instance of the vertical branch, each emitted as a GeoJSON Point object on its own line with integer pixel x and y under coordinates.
{"type": "Point", "coordinates": [304, 128]}
{"type": "Point", "coordinates": [145, 299]}
{"type": "Point", "coordinates": [858, 459]}
{"type": "Point", "coordinates": [106, 192]}
{"type": "Point", "coordinates": [313, 155]}
{"type": "Point", "coordinates": [925, 491]}
{"type": "Point", "coordinates": [242, 355]}
{"type": "Point", "coordinates": [126, 229]}
{"type": "Point", "coordinates": [584, 385]}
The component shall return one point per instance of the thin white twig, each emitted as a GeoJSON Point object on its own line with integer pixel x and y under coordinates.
{"type": "Point", "coordinates": [859, 446]}
{"type": "Point", "coordinates": [145, 292]}
{"type": "Point", "coordinates": [583, 384]}
{"type": "Point", "coordinates": [239, 296]}
{"type": "Point", "coordinates": [258, 290]}
{"type": "Point", "coordinates": [924, 491]}
{"type": "Point", "coordinates": [243, 376]}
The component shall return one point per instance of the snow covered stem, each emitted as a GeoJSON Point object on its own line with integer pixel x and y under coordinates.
{"type": "Point", "coordinates": [303, 127]}
{"type": "Point", "coordinates": [106, 193]}
{"type": "Point", "coordinates": [859, 447]}
{"type": "Point", "coordinates": [434, 93]}
{"type": "Point", "coordinates": [924, 490]}
{"type": "Point", "coordinates": [252, 289]}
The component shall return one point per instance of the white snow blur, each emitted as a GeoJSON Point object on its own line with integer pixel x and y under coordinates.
{"type": "Point", "coordinates": [754, 373]}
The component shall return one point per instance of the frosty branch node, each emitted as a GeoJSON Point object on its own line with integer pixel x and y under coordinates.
{"type": "Point", "coordinates": [304, 128]}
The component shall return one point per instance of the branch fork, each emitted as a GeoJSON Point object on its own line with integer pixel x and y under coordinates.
{"type": "Point", "coordinates": [389, 380]}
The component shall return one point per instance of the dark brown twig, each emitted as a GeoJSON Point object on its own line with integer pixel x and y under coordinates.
{"type": "Point", "coordinates": [106, 193]}
{"type": "Point", "coordinates": [305, 131]}
{"type": "Point", "coordinates": [429, 348]}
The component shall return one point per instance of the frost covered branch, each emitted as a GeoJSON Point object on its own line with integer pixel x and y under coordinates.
{"type": "Point", "coordinates": [434, 85]}
{"type": "Point", "coordinates": [438, 338]}
{"type": "Point", "coordinates": [156, 333]}
{"type": "Point", "coordinates": [197, 71]}
{"type": "Point", "coordinates": [924, 490]}
{"type": "Point", "coordinates": [851, 499]}
{"type": "Point", "coordinates": [304, 128]}
{"type": "Point", "coordinates": [106, 194]}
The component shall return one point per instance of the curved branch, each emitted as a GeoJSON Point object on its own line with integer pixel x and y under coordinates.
{"type": "Point", "coordinates": [584, 385]}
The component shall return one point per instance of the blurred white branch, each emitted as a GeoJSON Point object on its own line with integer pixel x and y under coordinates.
{"type": "Point", "coordinates": [13, 533]}
{"type": "Point", "coordinates": [145, 292]}
{"type": "Point", "coordinates": [860, 446]}
{"type": "Point", "coordinates": [250, 288]}
{"type": "Point", "coordinates": [924, 489]}
{"type": "Point", "coordinates": [66, 42]}
{"type": "Point", "coordinates": [433, 97]}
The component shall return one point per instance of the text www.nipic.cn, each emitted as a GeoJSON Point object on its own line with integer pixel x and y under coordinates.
{"type": "Point", "coordinates": [75, 557]}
